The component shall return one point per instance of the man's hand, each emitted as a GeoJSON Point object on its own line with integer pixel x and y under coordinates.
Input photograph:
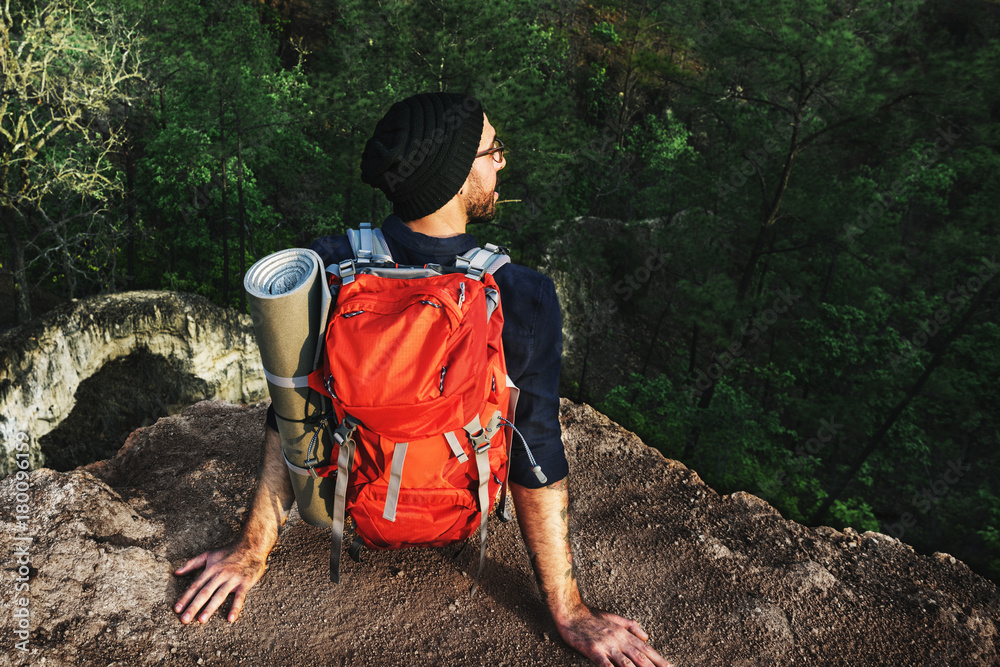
{"type": "Point", "coordinates": [608, 639]}
{"type": "Point", "coordinates": [236, 568]}
{"type": "Point", "coordinates": [230, 570]}
{"type": "Point", "coordinates": [605, 638]}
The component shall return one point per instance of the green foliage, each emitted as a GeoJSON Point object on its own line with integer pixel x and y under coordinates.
{"type": "Point", "coordinates": [741, 447]}
{"type": "Point", "coordinates": [65, 76]}
{"type": "Point", "coordinates": [605, 31]}
{"type": "Point", "coordinates": [990, 534]}
{"type": "Point", "coordinates": [855, 513]}
{"type": "Point", "coordinates": [656, 411]}
{"type": "Point", "coordinates": [781, 212]}
{"type": "Point", "coordinates": [225, 160]}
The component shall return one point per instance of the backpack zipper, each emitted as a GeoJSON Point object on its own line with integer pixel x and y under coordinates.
{"type": "Point", "coordinates": [461, 294]}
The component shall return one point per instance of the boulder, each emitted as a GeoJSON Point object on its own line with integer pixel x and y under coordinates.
{"type": "Point", "coordinates": [43, 363]}
{"type": "Point", "coordinates": [715, 580]}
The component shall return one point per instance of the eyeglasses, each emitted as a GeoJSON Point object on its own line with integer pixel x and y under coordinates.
{"type": "Point", "coordinates": [496, 151]}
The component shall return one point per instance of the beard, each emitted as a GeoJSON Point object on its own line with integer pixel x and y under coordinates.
{"type": "Point", "coordinates": [481, 208]}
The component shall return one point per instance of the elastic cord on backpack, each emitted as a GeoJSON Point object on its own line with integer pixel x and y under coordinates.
{"type": "Point", "coordinates": [535, 468]}
{"type": "Point", "coordinates": [311, 419]}
{"type": "Point", "coordinates": [311, 462]}
{"type": "Point", "coordinates": [315, 418]}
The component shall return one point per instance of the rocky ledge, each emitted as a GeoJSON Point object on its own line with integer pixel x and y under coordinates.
{"type": "Point", "coordinates": [716, 580]}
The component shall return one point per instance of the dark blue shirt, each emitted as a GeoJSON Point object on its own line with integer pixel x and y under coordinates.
{"type": "Point", "coordinates": [532, 339]}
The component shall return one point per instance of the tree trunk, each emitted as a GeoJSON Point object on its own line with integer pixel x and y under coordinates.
{"type": "Point", "coordinates": [829, 274]}
{"type": "Point", "coordinates": [242, 212]}
{"type": "Point", "coordinates": [583, 371]}
{"type": "Point", "coordinates": [67, 259]}
{"type": "Point", "coordinates": [770, 207]}
{"type": "Point", "coordinates": [225, 238]}
{"type": "Point", "coordinates": [751, 266]}
{"type": "Point", "coordinates": [652, 340]}
{"type": "Point", "coordinates": [22, 303]}
{"type": "Point", "coordinates": [130, 212]}
{"type": "Point", "coordinates": [348, 196]}
{"type": "Point", "coordinates": [693, 356]}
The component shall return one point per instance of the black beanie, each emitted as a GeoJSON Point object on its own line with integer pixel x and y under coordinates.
{"type": "Point", "coordinates": [422, 151]}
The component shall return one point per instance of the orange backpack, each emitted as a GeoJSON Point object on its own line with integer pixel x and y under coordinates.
{"type": "Point", "coordinates": [414, 366]}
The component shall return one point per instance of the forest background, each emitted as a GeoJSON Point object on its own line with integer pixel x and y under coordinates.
{"type": "Point", "coordinates": [773, 224]}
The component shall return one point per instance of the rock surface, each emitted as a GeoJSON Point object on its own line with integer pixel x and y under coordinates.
{"type": "Point", "coordinates": [43, 363]}
{"type": "Point", "coordinates": [715, 580]}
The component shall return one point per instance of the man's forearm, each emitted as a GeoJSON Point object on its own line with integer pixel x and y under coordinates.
{"type": "Point", "coordinates": [543, 515]}
{"type": "Point", "coordinates": [272, 500]}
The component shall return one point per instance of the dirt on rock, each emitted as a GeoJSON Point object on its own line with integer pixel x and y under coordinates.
{"type": "Point", "coordinates": [715, 580]}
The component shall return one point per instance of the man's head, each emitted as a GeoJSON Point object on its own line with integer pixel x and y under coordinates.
{"type": "Point", "coordinates": [424, 152]}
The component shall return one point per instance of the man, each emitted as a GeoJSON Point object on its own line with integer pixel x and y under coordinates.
{"type": "Point", "coordinates": [437, 157]}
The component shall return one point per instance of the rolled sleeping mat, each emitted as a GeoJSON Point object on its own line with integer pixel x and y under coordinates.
{"type": "Point", "coordinates": [289, 302]}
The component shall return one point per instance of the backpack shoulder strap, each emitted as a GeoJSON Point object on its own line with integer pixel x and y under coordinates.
{"type": "Point", "coordinates": [479, 261]}
{"type": "Point", "coordinates": [368, 245]}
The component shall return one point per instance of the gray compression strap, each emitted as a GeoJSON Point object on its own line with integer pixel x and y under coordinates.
{"type": "Point", "coordinates": [395, 481]}
{"type": "Point", "coordinates": [483, 467]}
{"type": "Point", "coordinates": [291, 466]}
{"type": "Point", "coordinates": [297, 382]}
{"type": "Point", "coordinates": [368, 244]}
{"type": "Point", "coordinates": [480, 438]}
{"type": "Point", "coordinates": [345, 461]}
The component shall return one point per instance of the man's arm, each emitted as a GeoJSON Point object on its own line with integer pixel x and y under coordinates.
{"type": "Point", "coordinates": [605, 638]}
{"type": "Point", "coordinates": [237, 567]}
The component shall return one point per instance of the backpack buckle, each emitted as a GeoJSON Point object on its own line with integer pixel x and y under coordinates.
{"type": "Point", "coordinates": [343, 432]}
{"type": "Point", "coordinates": [478, 436]}
{"type": "Point", "coordinates": [347, 271]}
{"type": "Point", "coordinates": [480, 261]}
{"type": "Point", "coordinates": [480, 440]}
